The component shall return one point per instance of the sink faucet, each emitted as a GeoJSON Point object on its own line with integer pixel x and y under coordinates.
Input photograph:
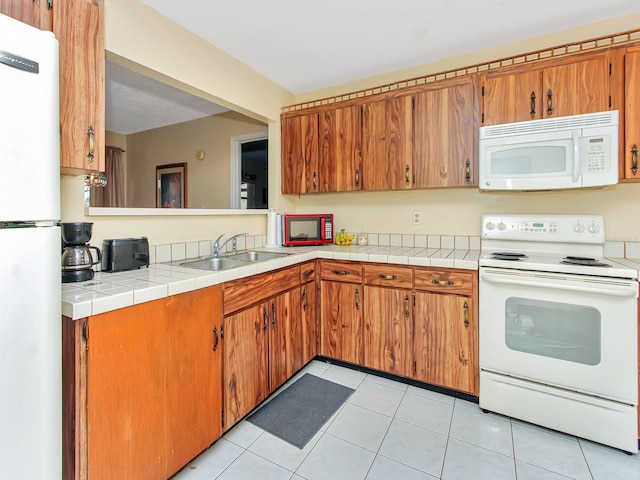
{"type": "Point", "coordinates": [217, 247]}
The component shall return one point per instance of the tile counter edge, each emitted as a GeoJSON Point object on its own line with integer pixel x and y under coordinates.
{"type": "Point", "coordinates": [112, 291]}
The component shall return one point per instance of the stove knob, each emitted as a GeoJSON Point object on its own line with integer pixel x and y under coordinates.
{"type": "Point", "coordinates": [490, 226]}
{"type": "Point", "coordinates": [578, 228]}
{"type": "Point", "coordinates": [594, 228]}
{"type": "Point", "coordinates": [502, 226]}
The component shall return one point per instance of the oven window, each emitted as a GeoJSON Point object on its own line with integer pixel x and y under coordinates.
{"type": "Point", "coordinates": [556, 330]}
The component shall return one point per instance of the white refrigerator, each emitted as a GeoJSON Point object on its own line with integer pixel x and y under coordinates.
{"type": "Point", "coordinates": [30, 248]}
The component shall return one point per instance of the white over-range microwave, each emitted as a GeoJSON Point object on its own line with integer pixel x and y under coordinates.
{"type": "Point", "coordinates": [555, 153]}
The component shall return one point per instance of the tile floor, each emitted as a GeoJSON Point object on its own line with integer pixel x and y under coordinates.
{"type": "Point", "coordinates": [388, 430]}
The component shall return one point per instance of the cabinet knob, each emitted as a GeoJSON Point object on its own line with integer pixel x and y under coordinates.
{"type": "Point", "coordinates": [216, 339]}
{"type": "Point", "coordinates": [549, 102]}
{"type": "Point", "coordinates": [533, 104]}
{"type": "Point", "coordinates": [634, 159]}
{"type": "Point", "coordinates": [442, 283]}
{"type": "Point", "coordinates": [387, 277]}
{"type": "Point", "coordinates": [92, 144]}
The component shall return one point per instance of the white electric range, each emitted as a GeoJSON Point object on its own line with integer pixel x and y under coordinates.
{"type": "Point", "coordinates": [558, 327]}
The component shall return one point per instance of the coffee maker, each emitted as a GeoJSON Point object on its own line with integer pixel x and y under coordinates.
{"type": "Point", "coordinates": [77, 259]}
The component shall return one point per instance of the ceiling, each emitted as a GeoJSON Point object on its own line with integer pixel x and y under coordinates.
{"type": "Point", "coordinates": [307, 45]}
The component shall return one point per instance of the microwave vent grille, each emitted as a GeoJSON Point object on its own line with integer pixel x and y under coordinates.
{"type": "Point", "coordinates": [551, 124]}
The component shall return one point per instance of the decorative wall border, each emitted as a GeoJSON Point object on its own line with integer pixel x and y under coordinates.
{"type": "Point", "coordinates": [617, 39]}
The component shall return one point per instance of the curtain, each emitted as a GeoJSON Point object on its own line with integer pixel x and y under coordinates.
{"type": "Point", "coordinates": [113, 194]}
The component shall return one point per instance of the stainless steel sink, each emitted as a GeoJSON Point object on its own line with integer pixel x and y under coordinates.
{"type": "Point", "coordinates": [234, 260]}
{"type": "Point", "coordinates": [255, 256]}
{"type": "Point", "coordinates": [214, 263]}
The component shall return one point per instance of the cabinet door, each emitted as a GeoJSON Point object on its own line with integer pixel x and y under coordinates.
{"type": "Point", "coordinates": [126, 401]}
{"type": "Point", "coordinates": [388, 330]}
{"type": "Point", "coordinates": [310, 330]}
{"type": "Point", "coordinates": [444, 136]}
{"type": "Point", "coordinates": [340, 149]}
{"type": "Point", "coordinates": [578, 87]}
{"type": "Point", "coordinates": [342, 321]}
{"type": "Point", "coordinates": [32, 12]}
{"type": "Point", "coordinates": [387, 144]}
{"type": "Point", "coordinates": [79, 27]}
{"type": "Point", "coordinates": [245, 362]}
{"type": "Point", "coordinates": [444, 341]}
{"type": "Point", "coordinates": [285, 337]}
{"type": "Point", "coordinates": [513, 97]}
{"type": "Point", "coordinates": [300, 154]}
{"type": "Point", "coordinates": [632, 113]}
{"type": "Point", "coordinates": [194, 374]}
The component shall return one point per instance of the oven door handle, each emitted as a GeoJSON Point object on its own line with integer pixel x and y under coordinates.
{"type": "Point", "coordinates": [601, 289]}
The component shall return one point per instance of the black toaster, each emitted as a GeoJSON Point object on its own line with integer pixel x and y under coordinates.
{"type": "Point", "coordinates": [122, 254]}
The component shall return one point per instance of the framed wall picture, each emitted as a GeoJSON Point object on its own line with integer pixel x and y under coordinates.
{"type": "Point", "coordinates": [171, 181]}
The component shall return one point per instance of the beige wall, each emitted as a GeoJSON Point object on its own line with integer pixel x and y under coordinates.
{"type": "Point", "coordinates": [135, 33]}
{"type": "Point", "coordinates": [208, 179]}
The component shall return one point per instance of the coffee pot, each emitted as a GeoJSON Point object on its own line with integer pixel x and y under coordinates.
{"type": "Point", "coordinates": [77, 259]}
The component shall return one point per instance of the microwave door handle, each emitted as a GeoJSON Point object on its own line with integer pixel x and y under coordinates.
{"type": "Point", "coordinates": [576, 157]}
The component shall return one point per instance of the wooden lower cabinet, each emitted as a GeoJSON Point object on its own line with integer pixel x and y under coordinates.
{"type": "Point", "coordinates": [388, 330]}
{"type": "Point", "coordinates": [146, 394]}
{"type": "Point", "coordinates": [444, 341]}
{"type": "Point", "coordinates": [309, 308]}
{"type": "Point", "coordinates": [263, 344]}
{"type": "Point", "coordinates": [342, 321]}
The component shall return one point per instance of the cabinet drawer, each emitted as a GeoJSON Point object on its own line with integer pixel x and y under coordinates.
{"type": "Point", "coordinates": [308, 271]}
{"type": "Point", "coordinates": [446, 281]}
{"type": "Point", "coordinates": [341, 271]}
{"type": "Point", "coordinates": [388, 276]}
{"type": "Point", "coordinates": [244, 292]}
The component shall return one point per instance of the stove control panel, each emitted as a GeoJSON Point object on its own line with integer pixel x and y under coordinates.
{"type": "Point", "coordinates": [544, 228]}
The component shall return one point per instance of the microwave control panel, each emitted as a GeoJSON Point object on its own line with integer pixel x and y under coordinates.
{"type": "Point", "coordinates": [597, 153]}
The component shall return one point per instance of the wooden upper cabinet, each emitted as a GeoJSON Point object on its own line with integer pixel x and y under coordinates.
{"type": "Point", "coordinates": [79, 27]}
{"type": "Point", "coordinates": [36, 13]}
{"type": "Point", "coordinates": [632, 113]}
{"type": "Point", "coordinates": [340, 149]}
{"type": "Point", "coordinates": [387, 144]}
{"type": "Point", "coordinates": [557, 88]}
{"type": "Point", "coordinates": [444, 135]}
{"type": "Point", "coordinates": [300, 154]}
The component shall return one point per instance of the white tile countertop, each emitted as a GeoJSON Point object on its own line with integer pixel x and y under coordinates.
{"type": "Point", "coordinates": [111, 291]}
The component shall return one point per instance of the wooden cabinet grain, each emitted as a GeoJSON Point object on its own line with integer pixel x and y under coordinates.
{"type": "Point", "coordinates": [446, 335]}
{"type": "Point", "coordinates": [556, 88]}
{"type": "Point", "coordinates": [263, 343]}
{"type": "Point", "coordinates": [300, 154]}
{"type": "Point", "coordinates": [142, 387]}
{"type": "Point", "coordinates": [387, 144]}
{"type": "Point", "coordinates": [79, 28]}
{"type": "Point", "coordinates": [631, 113]}
{"type": "Point", "coordinates": [445, 128]}
{"type": "Point", "coordinates": [36, 13]}
{"type": "Point", "coordinates": [309, 310]}
{"type": "Point", "coordinates": [340, 149]}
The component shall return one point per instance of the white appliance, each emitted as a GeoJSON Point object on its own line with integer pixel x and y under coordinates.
{"type": "Point", "coordinates": [558, 327]}
{"type": "Point", "coordinates": [30, 246]}
{"type": "Point", "coordinates": [553, 153]}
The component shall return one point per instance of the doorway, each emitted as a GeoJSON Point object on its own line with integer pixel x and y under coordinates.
{"type": "Point", "coordinates": [250, 171]}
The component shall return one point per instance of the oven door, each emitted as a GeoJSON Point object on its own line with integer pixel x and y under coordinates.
{"type": "Point", "coordinates": [572, 331]}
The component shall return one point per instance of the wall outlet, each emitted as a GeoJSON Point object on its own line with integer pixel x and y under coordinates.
{"type": "Point", "coordinates": [416, 218]}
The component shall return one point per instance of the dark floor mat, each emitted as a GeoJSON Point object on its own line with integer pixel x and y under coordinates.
{"type": "Point", "coordinates": [296, 414]}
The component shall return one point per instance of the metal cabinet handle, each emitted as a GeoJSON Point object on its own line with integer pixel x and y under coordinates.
{"type": "Point", "coordinates": [357, 295]}
{"type": "Point", "coordinates": [533, 104]}
{"type": "Point", "coordinates": [466, 314]}
{"type": "Point", "coordinates": [407, 171]}
{"type": "Point", "coordinates": [265, 318]}
{"type": "Point", "coordinates": [406, 306]}
{"type": "Point", "coordinates": [340, 272]}
{"type": "Point", "coordinates": [92, 144]}
{"type": "Point", "coordinates": [304, 299]}
{"type": "Point", "coordinates": [216, 339]}
{"type": "Point", "coordinates": [634, 159]}
{"type": "Point", "coordinates": [273, 315]}
{"type": "Point", "coordinates": [443, 283]}
{"type": "Point", "coordinates": [467, 171]}
{"type": "Point", "coordinates": [387, 277]}
{"type": "Point", "coordinates": [357, 177]}
{"type": "Point", "coordinates": [306, 273]}
{"type": "Point", "coordinates": [315, 181]}
{"type": "Point", "coordinates": [549, 102]}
